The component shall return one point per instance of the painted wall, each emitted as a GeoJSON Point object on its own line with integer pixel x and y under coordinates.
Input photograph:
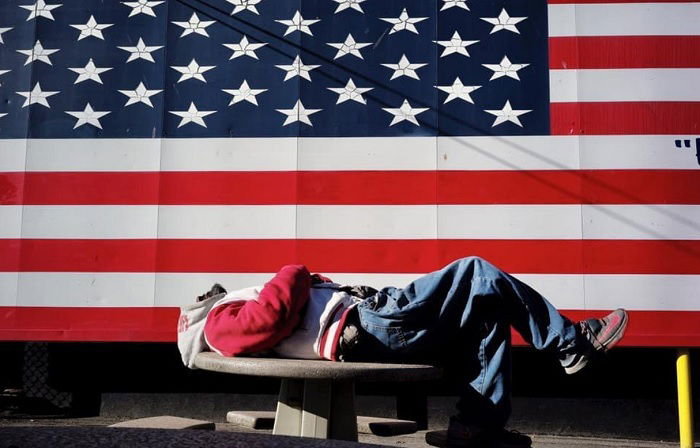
{"type": "Point", "coordinates": [151, 148]}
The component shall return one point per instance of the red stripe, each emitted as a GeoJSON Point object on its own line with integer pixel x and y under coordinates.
{"type": "Point", "coordinates": [363, 187]}
{"type": "Point", "coordinates": [243, 187]}
{"type": "Point", "coordinates": [371, 256]}
{"type": "Point", "coordinates": [367, 187]}
{"type": "Point", "coordinates": [646, 328]}
{"type": "Point", "coordinates": [650, 328]}
{"type": "Point", "coordinates": [165, 188]}
{"type": "Point", "coordinates": [88, 324]}
{"type": "Point", "coordinates": [11, 188]}
{"type": "Point", "coordinates": [10, 251]}
{"type": "Point", "coordinates": [624, 52]}
{"type": "Point", "coordinates": [569, 187]}
{"type": "Point", "coordinates": [91, 188]}
{"type": "Point", "coordinates": [625, 118]}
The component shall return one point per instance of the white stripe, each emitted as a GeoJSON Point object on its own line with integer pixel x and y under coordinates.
{"type": "Point", "coordinates": [367, 221]}
{"type": "Point", "coordinates": [8, 288]}
{"type": "Point", "coordinates": [566, 152]}
{"type": "Point", "coordinates": [643, 292]}
{"type": "Point", "coordinates": [360, 222]}
{"type": "Point", "coordinates": [515, 221]}
{"type": "Point", "coordinates": [86, 289]}
{"type": "Point", "coordinates": [78, 154]}
{"type": "Point", "coordinates": [658, 84]}
{"type": "Point", "coordinates": [213, 221]}
{"type": "Point", "coordinates": [634, 292]}
{"type": "Point", "coordinates": [638, 152]}
{"type": "Point", "coordinates": [94, 221]}
{"type": "Point", "coordinates": [624, 19]}
{"type": "Point", "coordinates": [639, 222]}
{"type": "Point", "coordinates": [12, 154]}
{"type": "Point", "coordinates": [230, 154]}
{"type": "Point", "coordinates": [564, 291]}
{"type": "Point", "coordinates": [211, 154]}
{"type": "Point", "coordinates": [378, 153]}
{"type": "Point", "coordinates": [508, 153]}
{"type": "Point", "coordinates": [644, 222]}
{"type": "Point", "coordinates": [353, 154]}
{"type": "Point", "coordinates": [181, 288]}
{"type": "Point", "coordinates": [11, 221]}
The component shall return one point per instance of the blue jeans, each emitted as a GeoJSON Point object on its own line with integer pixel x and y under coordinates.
{"type": "Point", "coordinates": [464, 312]}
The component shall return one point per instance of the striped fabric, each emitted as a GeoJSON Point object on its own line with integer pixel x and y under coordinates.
{"type": "Point", "coordinates": [103, 238]}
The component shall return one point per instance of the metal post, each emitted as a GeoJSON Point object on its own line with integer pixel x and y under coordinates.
{"type": "Point", "coordinates": [685, 399]}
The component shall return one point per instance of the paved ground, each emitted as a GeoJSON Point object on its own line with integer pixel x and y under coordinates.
{"type": "Point", "coordinates": [416, 440]}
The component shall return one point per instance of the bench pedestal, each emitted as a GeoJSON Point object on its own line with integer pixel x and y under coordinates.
{"type": "Point", "coordinates": [316, 408]}
{"type": "Point", "coordinates": [317, 398]}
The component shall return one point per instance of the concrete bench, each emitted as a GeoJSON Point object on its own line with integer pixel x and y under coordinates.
{"type": "Point", "coordinates": [317, 398]}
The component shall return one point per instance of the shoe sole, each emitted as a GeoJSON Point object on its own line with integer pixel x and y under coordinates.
{"type": "Point", "coordinates": [576, 367]}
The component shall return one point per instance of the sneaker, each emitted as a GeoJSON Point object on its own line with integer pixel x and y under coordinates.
{"type": "Point", "coordinates": [465, 436]}
{"type": "Point", "coordinates": [215, 290]}
{"type": "Point", "coordinates": [602, 335]}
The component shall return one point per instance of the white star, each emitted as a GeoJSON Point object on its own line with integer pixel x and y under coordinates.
{"type": "Point", "coordinates": [194, 25]}
{"type": "Point", "coordinates": [40, 9]}
{"type": "Point", "coordinates": [3, 30]}
{"type": "Point", "coordinates": [38, 53]}
{"type": "Point", "coordinates": [505, 68]}
{"type": "Point", "coordinates": [244, 48]}
{"type": "Point", "coordinates": [297, 23]}
{"type": "Point", "coordinates": [2, 72]}
{"type": "Point", "coordinates": [447, 4]}
{"type": "Point", "coordinates": [345, 4]}
{"type": "Point", "coordinates": [507, 114]}
{"type": "Point", "coordinates": [88, 116]}
{"type": "Point", "coordinates": [244, 93]}
{"type": "Point", "coordinates": [403, 22]}
{"type": "Point", "coordinates": [3, 114]}
{"type": "Point", "coordinates": [36, 96]}
{"type": "Point", "coordinates": [458, 90]}
{"type": "Point", "coordinates": [89, 72]}
{"type": "Point", "coordinates": [298, 113]}
{"type": "Point", "coordinates": [193, 70]}
{"type": "Point", "coordinates": [350, 92]}
{"type": "Point", "coordinates": [405, 112]}
{"type": "Point", "coordinates": [297, 68]}
{"type": "Point", "coordinates": [504, 22]}
{"type": "Point", "coordinates": [349, 47]}
{"type": "Point", "coordinates": [142, 7]}
{"type": "Point", "coordinates": [139, 95]}
{"type": "Point", "coordinates": [141, 51]}
{"type": "Point", "coordinates": [242, 5]}
{"type": "Point", "coordinates": [455, 45]}
{"type": "Point", "coordinates": [91, 28]}
{"type": "Point", "coordinates": [404, 68]}
{"type": "Point", "coordinates": [192, 115]}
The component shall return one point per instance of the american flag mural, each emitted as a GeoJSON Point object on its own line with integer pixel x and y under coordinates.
{"type": "Point", "coordinates": [151, 148]}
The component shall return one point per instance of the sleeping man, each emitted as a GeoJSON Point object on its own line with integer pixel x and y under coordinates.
{"type": "Point", "coordinates": [462, 312]}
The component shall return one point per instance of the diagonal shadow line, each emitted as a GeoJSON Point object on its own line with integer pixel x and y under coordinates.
{"type": "Point", "coordinates": [219, 15]}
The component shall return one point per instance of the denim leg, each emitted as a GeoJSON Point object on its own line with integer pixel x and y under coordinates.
{"type": "Point", "coordinates": [465, 311]}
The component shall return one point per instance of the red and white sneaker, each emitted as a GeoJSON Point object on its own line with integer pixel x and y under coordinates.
{"type": "Point", "coordinates": [602, 334]}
